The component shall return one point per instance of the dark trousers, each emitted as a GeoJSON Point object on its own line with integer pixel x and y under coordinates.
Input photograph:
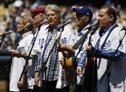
{"type": "Point", "coordinates": [37, 89]}
{"type": "Point", "coordinates": [78, 88]}
{"type": "Point", "coordinates": [65, 89]}
{"type": "Point", "coordinates": [49, 86]}
{"type": "Point", "coordinates": [90, 77]}
{"type": "Point", "coordinates": [27, 90]}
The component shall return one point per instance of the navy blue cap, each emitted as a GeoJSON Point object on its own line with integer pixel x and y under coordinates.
{"type": "Point", "coordinates": [84, 10]}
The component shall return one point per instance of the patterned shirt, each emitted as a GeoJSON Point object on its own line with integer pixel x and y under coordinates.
{"type": "Point", "coordinates": [49, 54]}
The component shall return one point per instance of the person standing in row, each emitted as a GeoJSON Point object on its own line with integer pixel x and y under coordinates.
{"type": "Point", "coordinates": [38, 15]}
{"type": "Point", "coordinates": [83, 19]}
{"type": "Point", "coordinates": [38, 18]}
{"type": "Point", "coordinates": [27, 46]}
{"type": "Point", "coordinates": [108, 45]}
{"type": "Point", "coordinates": [19, 62]}
{"type": "Point", "coordinates": [48, 65]}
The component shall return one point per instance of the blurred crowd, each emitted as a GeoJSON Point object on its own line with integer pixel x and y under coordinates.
{"type": "Point", "coordinates": [32, 28]}
{"type": "Point", "coordinates": [11, 10]}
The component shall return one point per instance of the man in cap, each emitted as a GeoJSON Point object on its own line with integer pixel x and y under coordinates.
{"type": "Point", "coordinates": [38, 15]}
{"type": "Point", "coordinates": [38, 18]}
{"type": "Point", "coordinates": [83, 18]}
{"type": "Point", "coordinates": [89, 76]}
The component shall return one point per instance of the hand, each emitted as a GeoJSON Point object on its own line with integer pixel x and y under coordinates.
{"type": "Point", "coordinates": [20, 84]}
{"type": "Point", "coordinates": [79, 70]}
{"type": "Point", "coordinates": [17, 53]}
{"type": "Point", "coordinates": [67, 48]}
{"type": "Point", "coordinates": [37, 79]}
{"type": "Point", "coordinates": [88, 47]}
{"type": "Point", "coordinates": [35, 51]}
{"type": "Point", "coordinates": [59, 47]}
{"type": "Point", "coordinates": [14, 52]}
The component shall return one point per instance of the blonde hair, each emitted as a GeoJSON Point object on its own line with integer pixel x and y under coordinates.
{"type": "Point", "coordinates": [26, 19]}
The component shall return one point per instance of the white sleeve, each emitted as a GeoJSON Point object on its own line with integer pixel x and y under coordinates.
{"type": "Point", "coordinates": [119, 36]}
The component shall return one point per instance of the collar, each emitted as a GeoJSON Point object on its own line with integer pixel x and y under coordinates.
{"type": "Point", "coordinates": [81, 32]}
{"type": "Point", "coordinates": [27, 33]}
{"type": "Point", "coordinates": [103, 30]}
{"type": "Point", "coordinates": [51, 30]}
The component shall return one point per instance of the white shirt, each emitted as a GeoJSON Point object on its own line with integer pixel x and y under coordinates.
{"type": "Point", "coordinates": [117, 79]}
{"type": "Point", "coordinates": [19, 62]}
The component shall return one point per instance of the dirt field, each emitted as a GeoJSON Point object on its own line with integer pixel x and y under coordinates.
{"type": "Point", "coordinates": [3, 86]}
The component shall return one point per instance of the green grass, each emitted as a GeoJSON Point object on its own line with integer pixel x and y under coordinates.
{"type": "Point", "coordinates": [2, 90]}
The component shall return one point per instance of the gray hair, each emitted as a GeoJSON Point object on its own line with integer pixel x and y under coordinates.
{"type": "Point", "coordinates": [53, 7]}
